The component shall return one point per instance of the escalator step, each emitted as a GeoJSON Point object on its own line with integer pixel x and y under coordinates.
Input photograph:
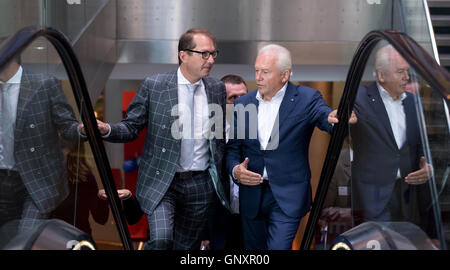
{"type": "Point", "coordinates": [441, 29]}
{"type": "Point", "coordinates": [439, 10]}
{"type": "Point", "coordinates": [438, 3]}
{"type": "Point", "coordinates": [441, 20]}
{"type": "Point", "coordinates": [442, 39]}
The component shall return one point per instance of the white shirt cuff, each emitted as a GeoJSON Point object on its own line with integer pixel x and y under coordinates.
{"type": "Point", "coordinates": [109, 132]}
{"type": "Point", "coordinates": [232, 173]}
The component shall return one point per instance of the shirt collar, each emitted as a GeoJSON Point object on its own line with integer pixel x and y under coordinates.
{"type": "Point", "coordinates": [278, 96]}
{"type": "Point", "coordinates": [183, 80]}
{"type": "Point", "coordinates": [16, 78]}
{"type": "Point", "coordinates": [385, 94]}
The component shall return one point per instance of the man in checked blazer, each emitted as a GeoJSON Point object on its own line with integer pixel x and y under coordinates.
{"type": "Point", "coordinates": [34, 112]}
{"type": "Point", "coordinates": [175, 188]}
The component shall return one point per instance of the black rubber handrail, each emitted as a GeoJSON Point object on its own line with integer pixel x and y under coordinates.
{"type": "Point", "coordinates": [422, 63]}
{"type": "Point", "coordinates": [15, 45]}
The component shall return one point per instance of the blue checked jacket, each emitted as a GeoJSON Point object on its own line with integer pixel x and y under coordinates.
{"type": "Point", "coordinates": [151, 107]}
{"type": "Point", "coordinates": [42, 113]}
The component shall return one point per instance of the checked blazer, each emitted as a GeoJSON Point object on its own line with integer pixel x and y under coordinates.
{"type": "Point", "coordinates": [152, 107]}
{"type": "Point", "coordinates": [42, 113]}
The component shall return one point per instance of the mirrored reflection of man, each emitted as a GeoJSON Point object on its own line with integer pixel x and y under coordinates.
{"type": "Point", "coordinates": [224, 228]}
{"type": "Point", "coordinates": [33, 178]}
{"type": "Point", "coordinates": [389, 170]}
{"type": "Point", "coordinates": [272, 169]}
{"type": "Point", "coordinates": [177, 177]}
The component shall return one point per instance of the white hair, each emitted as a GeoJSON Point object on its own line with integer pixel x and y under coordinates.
{"type": "Point", "coordinates": [383, 57]}
{"type": "Point", "coordinates": [284, 60]}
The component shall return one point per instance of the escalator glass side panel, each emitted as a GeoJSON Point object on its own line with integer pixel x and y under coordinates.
{"type": "Point", "coordinates": [48, 172]}
{"type": "Point", "coordinates": [390, 175]}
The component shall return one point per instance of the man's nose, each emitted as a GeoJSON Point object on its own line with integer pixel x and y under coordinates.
{"type": "Point", "coordinates": [258, 76]}
{"type": "Point", "coordinates": [406, 76]}
{"type": "Point", "coordinates": [211, 59]}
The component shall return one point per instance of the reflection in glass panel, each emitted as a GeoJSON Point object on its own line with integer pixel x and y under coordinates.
{"type": "Point", "coordinates": [49, 180]}
{"type": "Point", "coordinates": [393, 165]}
{"type": "Point", "coordinates": [391, 174]}
{"type": "Point", "coordinates": [435, 117]}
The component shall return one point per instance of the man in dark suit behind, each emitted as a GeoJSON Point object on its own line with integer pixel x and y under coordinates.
{"type": "Point", "coordinates": [268, 152]}
{"type": "Point", "coordinates": [389, 170]}
{"type": "Point", "coordinates": [33, 177]}
{"type": "Point", "coordinates": [179, 172]}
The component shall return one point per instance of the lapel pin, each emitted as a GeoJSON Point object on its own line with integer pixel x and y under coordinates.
{"type": "Point", "coordinates": [373, 99]}
{"type": "Point", "coordinates": [292, 99]}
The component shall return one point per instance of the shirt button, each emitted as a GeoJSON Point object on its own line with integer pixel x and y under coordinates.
{"type": "Point", "coordinates": [163, 126]}
{"type": "Point", "coordinates": [32, 149]}
{"type": "Point", "coordinates": [32, 126]}
{"type": "Point", "coordinates": [157, 172]}
{"type": "Point", "coordinates": [163, 150]}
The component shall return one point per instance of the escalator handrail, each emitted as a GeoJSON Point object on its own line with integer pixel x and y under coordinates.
{"type": "Point", "coordinates": [15, 45]}
{"type": "Point", "coordinates": [422, 63]}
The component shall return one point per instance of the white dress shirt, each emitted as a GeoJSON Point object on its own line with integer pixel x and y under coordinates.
{"type": "Point", "coordinates": [397, 117]}
{"type": "Point", "coordinates": [267, 115]}
{"type": "Point", "coordinates": [201, 119]}
{"type": "Point", "coordinates": [7, 148]}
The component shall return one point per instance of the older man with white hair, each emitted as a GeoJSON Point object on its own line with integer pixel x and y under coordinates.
{"type": "Point", "coordinates": [272, 169]}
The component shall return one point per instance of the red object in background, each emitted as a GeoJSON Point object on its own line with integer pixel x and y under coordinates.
{"type": "Point", "coordinates": [133, 150]}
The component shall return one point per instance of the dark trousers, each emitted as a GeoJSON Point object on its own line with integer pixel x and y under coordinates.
{"type": "Point", "coordinates": [224, 229]}
{"type": "Point", "coordinates": [400, 203]}
{"type": "Point", "coordinates": [18, 213]}
{"type": "Point", "coordinates": [272, 229]}
{"type": "Point", "coordinates": [178, 220]}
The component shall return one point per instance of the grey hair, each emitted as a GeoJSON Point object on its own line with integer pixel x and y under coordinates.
{"type": "Point", "coordinates": [284, 59]}
{"type": "Point", "coordinates": [383, 57]}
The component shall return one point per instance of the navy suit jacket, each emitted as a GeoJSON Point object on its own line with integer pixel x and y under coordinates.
{"type": "Point", "coordinates": [376, 156]}
{"type": "Point", "coordinates": [287, 165]}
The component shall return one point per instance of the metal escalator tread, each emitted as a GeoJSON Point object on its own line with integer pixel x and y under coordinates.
{"type": "Point", "coordinates": [438, 3]}
{"type": "Point", "coordinates": [443, 39]}
{"type": "Point", "coordinates": [440, 20]}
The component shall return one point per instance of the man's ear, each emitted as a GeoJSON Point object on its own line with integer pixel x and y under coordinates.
{"type": "Point", "coordinates": [285, 76]}
{"type": "Point", "coordinates": [181, 55]}
{"type": "Point", "coordinates": [380, 76]}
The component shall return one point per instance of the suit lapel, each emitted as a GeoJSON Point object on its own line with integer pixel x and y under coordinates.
{"type": "Point", "coordinates": [211, 96]}
{"type": "Point", "coordinates": [287, 105]}
{"type": "Point", "coordinates": [411, 120]}
{"type": "Point", "coordinates": [26, 93]}
{"type": "Point", "coordinates": [290, 99]}
{"type": "Point", "coordinates": [255, 102]}
{"type": "Point", "coordinates": [172, 95]}
{"type": "Point", "coordinates": [377, 104]}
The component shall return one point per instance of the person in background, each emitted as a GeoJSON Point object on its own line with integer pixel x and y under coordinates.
{"type": "Point", "coordinates": [84, 197]}
{"type": "Point", "coordinates": [224, 228]}
{"type": "Point", "coordinates": [336, 215]}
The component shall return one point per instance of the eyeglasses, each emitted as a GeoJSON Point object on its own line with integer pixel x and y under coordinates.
{"type": "Point", "coordinates": [205, 54]}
